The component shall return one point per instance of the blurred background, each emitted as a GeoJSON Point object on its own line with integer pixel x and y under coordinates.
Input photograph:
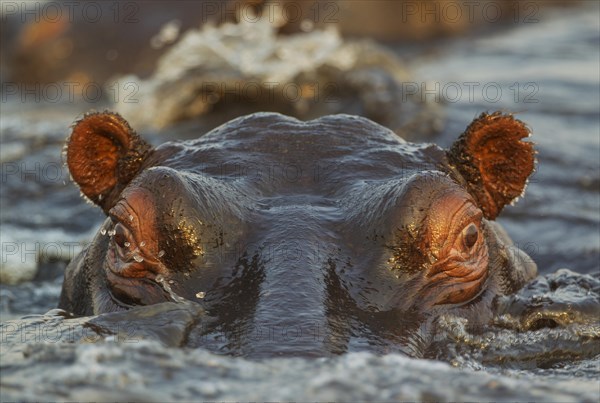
{"type": "Point", "coordinates": [177, 69]}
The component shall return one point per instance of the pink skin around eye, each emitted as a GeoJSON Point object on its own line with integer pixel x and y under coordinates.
{"type": "Point", "coordinates": [458, 270]}
{"type": "Point", "coordinates": [134, 249]}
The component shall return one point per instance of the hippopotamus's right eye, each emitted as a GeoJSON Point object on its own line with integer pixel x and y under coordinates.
{"type": "Point", "coordinates": [120, 236]}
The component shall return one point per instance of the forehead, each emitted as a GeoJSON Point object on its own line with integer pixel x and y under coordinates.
{"type": "Point", "coordinates": [279, 156]}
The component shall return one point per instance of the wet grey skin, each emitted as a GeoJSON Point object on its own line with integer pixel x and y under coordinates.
{"type": "Point", "coordinates": [300, 238]}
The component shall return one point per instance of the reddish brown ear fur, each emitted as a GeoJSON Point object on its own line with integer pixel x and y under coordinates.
{"type": "Point", "coordinates": [494, 161]}
{"type": "Point", "coordinates": [104, 154]}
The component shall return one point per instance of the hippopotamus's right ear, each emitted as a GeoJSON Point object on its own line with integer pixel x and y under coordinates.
{"type": "Point", "coordinates": [103, 155]}
{"type": "Point", "coordinates": [493, 160]}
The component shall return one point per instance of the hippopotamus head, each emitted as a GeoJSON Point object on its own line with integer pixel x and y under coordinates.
{"type": "Point", "coordinates": [336, 224]}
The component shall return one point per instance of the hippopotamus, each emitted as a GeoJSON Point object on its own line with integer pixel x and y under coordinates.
{"type": "Point", "coordinates": [335, 232]}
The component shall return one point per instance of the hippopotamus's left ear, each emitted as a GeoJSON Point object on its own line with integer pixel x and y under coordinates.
{"type": "Point", "coordinates": [103, 155]}
{"type": "Point", "coordinates": [494, 161]}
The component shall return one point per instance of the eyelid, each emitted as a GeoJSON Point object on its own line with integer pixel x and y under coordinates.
{"type": "Point", "coordinates": [116, 217]}
{"type": "Point", "coordinates": [123, 213]}
{"type": "Point", "coordinates": [467, 215]}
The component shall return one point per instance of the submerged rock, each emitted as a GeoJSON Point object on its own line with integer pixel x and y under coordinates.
{"type": "Point", "coordinates": [550, 325]}
{"type": "Point", "coordinates": [558, 299]}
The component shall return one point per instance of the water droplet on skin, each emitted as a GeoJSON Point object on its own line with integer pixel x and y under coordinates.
{"type": "Point", "coordinates": [171, 282]}
{"type": "Point", "coordinates": [161, 253]}
{"type": "Point", "coordinates": [111, 232]}
{"type": "Point", "coordinates": [200, 295]}
{"type": "Point", "coordinates": [138, 258]}
{"type": "Point", "coordinates": [103, 231]}
{"type": "Point", "coordinates": [161, 280]}
{"type": "Point", "coordinates": [127, 244]}
{"type": "Point", "coordinates": [143, 243]}
{"type": "Point", "coordinates": [99, 197]}
{"type": "Point", "coordinates": [130, 218]}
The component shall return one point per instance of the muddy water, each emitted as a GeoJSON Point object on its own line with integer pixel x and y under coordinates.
{"type": "Point", "coordinates": [543, 344]}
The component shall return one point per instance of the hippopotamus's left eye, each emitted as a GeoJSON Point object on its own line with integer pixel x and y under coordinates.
{"type": "Point", "coordinates": [470, 235]}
